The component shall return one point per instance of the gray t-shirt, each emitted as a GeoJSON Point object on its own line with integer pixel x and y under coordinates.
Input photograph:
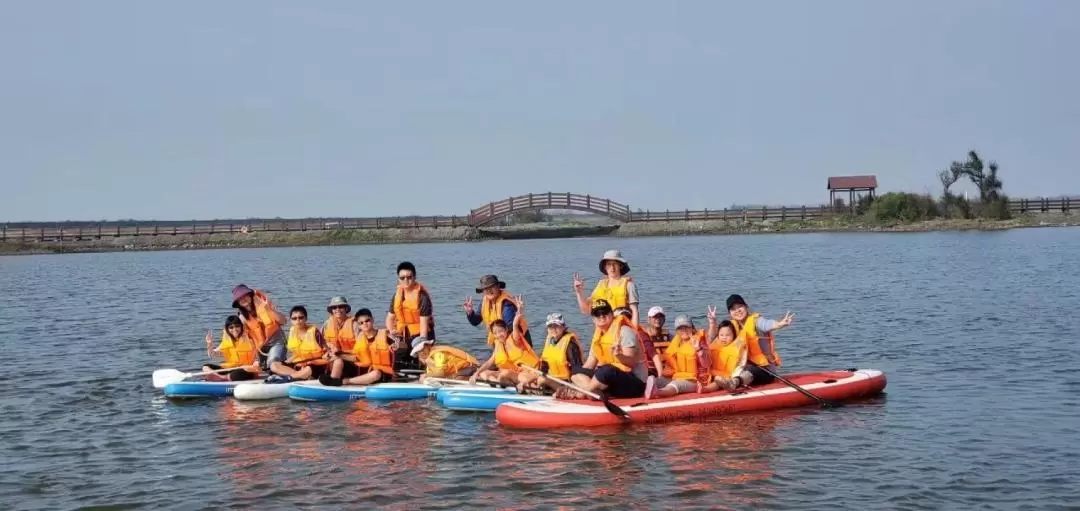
{"type": "Point", "coordinates": [628, 339]}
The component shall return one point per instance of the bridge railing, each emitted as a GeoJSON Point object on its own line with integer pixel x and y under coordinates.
{"type": "Point", "coordinates": [76, 231]}
{"type": "Point", "coordinates": [550, 200]}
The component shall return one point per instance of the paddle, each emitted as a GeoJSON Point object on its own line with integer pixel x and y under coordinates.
{"type": "Point", "coordinates": [163, 377]}
{"type": "Point", "coordinates": [611, 407]}
{"type": "Point", "coordinates": [807, 393]}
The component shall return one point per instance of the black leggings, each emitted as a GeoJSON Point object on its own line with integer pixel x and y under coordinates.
{"type": "Point", "coordinates": [237, 374]}
{"type": "Point", "coordinates": [760, 376]}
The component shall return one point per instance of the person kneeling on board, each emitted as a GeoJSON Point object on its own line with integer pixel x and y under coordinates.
{"type": "Point", "coordinates": [238, 350]}
{"type": "Point", "coordinates": [688, 355]}
{"type": "Point", "coordinates": [728, 355]}
{"type": "Point", "coordinates": [369, 360]}
{"type": "Point", "coordinates": [753, 328]}
{"type": "Point", "coordinates": [443, 361]}
{"type": "Point", "coordinates": [308, 350]}
{"type": "Point", "coordinates": [616, 363]}
{"type": "Point", "coordinates": [510, 350]}
{"type": "Point", "coordinates": [562, 353]}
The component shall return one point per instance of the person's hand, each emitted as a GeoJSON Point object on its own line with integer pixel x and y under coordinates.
{"type": "Point", "coordinates": [209, 339]}
{"type": "Point", "coordinates": [785, 321]}
{"type": "Point", "coordinates": [472, 379]}
{"type": "Point", "coordinates": [468, 305]}
{"type": "Point", "coordinates": [579, 285]}
{"type": "Point", "coordinates": [519, 300]}
{"type": "Point", "coordinates": [710, 312]}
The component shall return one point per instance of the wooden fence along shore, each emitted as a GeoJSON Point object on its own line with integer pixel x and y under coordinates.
{"type": "Point", "coordinates": [479, 217]}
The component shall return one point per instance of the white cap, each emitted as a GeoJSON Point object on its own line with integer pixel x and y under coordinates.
{"type": "Point", "coordinates": [656, 310]}
{"type": "Point", "coordinates": [555, 319]}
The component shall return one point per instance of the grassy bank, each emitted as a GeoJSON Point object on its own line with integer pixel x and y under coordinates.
{"type": "Point", "coordinates": [430, 235]}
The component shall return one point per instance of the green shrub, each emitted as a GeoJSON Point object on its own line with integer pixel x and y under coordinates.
{"type": "Point", "coordinates": [903, 207]}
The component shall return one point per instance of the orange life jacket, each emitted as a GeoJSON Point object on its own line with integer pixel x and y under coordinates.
{"type": "Point", "coordinates": [603, 343]}
{"type": "Point", "coordinates": [406, 307]}
{"type": "Point", "coordinates": [515, 350]}
{"type": "Point", "coordinates": [684, 359]}
{"type": "Point", "coordinates": [381, 356]}
{"type": "Point", "coordinates": [342, 338]}
{"type": "Point", "coordinates": [305, 346]}
{"type": "Point", "coordinates": [755, 354]}
{"type": "Point", "coordinates": [490, 310]}
{"type": "Point", "coordinates": [447, 361]}
{"type": "Point", "coordinates": [555, 355]}
{"type": "Point", "coordinates": [726, 358]}
{"type": "Point", "coordinates": [262, 325]}
{"type": "Point", "coordinates": [237, 352]}
{"type": "Point", "coordinates": [617, 295]}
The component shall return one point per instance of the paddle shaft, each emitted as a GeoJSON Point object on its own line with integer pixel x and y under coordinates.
{"type": "Point", "coordinates": [611, 407]}
{"type": "Point", "coordinates": [792, 384]}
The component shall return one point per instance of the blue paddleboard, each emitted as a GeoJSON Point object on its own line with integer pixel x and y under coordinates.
{"type": "Point", "coordinates": [486, 401]}
{"type": "Point", "coordinates": [193, 389]}
{"type": "Point", "coordinates": [315, 391]}
{"type": "Point", "coordinates": [399, 391]}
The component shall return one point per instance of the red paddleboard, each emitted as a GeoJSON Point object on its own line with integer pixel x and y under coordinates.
{"type": "Point", "coordinates": [834, 386]}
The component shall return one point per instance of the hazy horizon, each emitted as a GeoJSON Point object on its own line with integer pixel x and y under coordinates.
{"type": "Point", "coordinates": [124, 109]}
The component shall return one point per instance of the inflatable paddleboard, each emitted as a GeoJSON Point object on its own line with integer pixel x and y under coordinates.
{"type": "Point", "coordinates": [486, 401]}
{"type": "Point", "coordinates": [450, 390]}
{"type": "Point", "coordinates": [315, 391]}
{"type": "Point", "coordinates": [195, 389]}
{"type": "Point", "coordinates": [829, 385]}
{"type": "Point", "coordinates": [255, 390]}
{"type": "Point", "coordinates": [399, 391]}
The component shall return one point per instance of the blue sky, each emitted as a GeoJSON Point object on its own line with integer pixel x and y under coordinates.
{"type": "Point", "coordinates": [199, 109]}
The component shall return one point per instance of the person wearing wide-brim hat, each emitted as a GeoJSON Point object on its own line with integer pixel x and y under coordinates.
{"type": "Point", "coordinates": [617, 288]}
{"type": "Point", "coordinates": [338, 330]}
{"type": "Point", "coordinates": [262, 323]}
{"type": "Point", "coordinates": [496, 304]}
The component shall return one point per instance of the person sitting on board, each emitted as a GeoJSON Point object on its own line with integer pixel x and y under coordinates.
{"type": "Point", "coordinates": [443, 361]}
{"type": "Point", "coordinates": [496, 304]}
{"type": "Point", "coordinates": [660, 339]}
{"type": "Point", "coordinates": [339, 330]}
{"type": "Point", "coordinates": [652, 358]}
{"type": "Point", "coordinates": [688, 355]}
{"type": "Point", "coordinates": [262, 323]}
{"type": "Point", "coordinates": [616, 363]}
{"type": "Point", "coordinates": [238, 350]}
{"type": "Point", "coordinates": [728, 355]}
{"type": "Point", "coordinates": [753, 328]}
{"type": "Point", "coordinates": [411, 314]}
{"type": "Point", "coordinates": [562, 353]}
{"type": "Point", "coordinates": [307, 348]}
{"type": "Point", "coordinates": [510, 351]}
{"type": "Point", "coordinates": [369, 360]}
{"type": "Point", "coordinates": [616, 288]}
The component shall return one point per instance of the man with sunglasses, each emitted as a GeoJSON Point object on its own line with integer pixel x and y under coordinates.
{"type": "Point", "coordinates": [616, 363]}
{"type": "Point", "coordinates": [411, 315]}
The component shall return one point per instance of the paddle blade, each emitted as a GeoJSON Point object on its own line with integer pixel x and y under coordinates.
{"type": "Point", "coordinates": [163, 377]}
{"type": "Point", "coordinates": [615, 409]}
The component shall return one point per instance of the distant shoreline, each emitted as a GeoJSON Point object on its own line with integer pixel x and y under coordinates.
{"type": "Point", "coordinates": [531, 231]}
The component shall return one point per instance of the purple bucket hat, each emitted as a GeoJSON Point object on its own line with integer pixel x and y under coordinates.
{"type": "Point", "coordinates": [238, 292]}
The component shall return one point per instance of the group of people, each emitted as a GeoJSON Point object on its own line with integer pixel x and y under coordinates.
{"type": "Point", "coordinates": [625, 358]}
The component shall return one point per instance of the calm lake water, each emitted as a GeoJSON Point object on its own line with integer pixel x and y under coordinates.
{"type": "Point", "coordinates": [977, 332]}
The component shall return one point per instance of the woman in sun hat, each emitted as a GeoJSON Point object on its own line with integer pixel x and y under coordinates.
{"type": "Point", "coordinates": [262, 323]}
{"type": "Point", "coordinates": [617, 288]}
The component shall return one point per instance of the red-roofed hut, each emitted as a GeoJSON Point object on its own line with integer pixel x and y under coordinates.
{"type": "Point", "coordinates": [852, 185]}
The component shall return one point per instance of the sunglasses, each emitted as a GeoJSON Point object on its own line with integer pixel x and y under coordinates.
{"type": "Point", "coordinates": [364, 321]}
{"type": "Point", "coordinates": [338, 308]}
{"type": "Point", "coordinates": [298, 318]}
{"type": "Point", "coordinates": [599, 313]}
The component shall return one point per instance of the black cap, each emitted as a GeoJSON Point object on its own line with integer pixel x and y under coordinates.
{"type": "Point", "coordinates": [601, 307]}
{"type": "Point", "coordinates": [734, 300]}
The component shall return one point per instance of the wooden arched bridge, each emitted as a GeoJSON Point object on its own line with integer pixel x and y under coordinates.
{"type": "Point", "coordinates": [494, 211]}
